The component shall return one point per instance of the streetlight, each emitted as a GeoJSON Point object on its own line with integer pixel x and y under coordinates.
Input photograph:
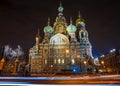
{"type": "Point", "coordinates": [66, 59]}
{"type": "Point", "coordinates": [85, 62]}
{"type": "Point", "coordinates": [67, 51]}
{"type": "Point", "coordinates": [102, 62]}
{"type": "Point", "coordinates": [79, 62]}
{"type": "Point", "coordinates": [112, 50]}
{"type": "Point", "coordinates": [102, 55]}
{"type": "Point", "coordinates": [51, 66]}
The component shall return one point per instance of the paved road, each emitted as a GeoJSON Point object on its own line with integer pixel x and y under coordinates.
{"type": "Point", "coordinates": [104, 79]}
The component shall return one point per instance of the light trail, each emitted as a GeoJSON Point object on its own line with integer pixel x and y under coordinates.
{"type": "Point", "coordinates": [65, 78]}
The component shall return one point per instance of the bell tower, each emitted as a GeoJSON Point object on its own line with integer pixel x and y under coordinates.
{"type": "Point", "coordinates": [71, 29]}
{"type": "Point", "coordinates": [85, 45]}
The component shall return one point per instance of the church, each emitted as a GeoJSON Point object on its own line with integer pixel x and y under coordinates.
{"type": "Point", "coordinates": [64, 47]}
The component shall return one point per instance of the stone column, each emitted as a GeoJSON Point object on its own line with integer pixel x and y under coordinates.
{"type": "Point", "coordinates": [16, 66]}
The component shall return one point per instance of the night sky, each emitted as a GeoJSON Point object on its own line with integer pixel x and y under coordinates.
{"type": "Point", "coordinates": [20, 19]}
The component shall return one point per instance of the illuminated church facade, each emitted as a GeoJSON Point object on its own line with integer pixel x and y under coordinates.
{"type": "Point", "coordinates": [63, 48]}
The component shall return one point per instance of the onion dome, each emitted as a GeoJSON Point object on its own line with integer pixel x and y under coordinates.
{"type": "Point", "coordinates": [71, 28]}
{"type": "Point", "coordinates": [80, 21]}
{"type": "Point", "coordinates": [48, 28]}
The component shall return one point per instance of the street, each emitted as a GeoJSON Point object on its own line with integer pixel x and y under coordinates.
{"type": "Point", "coordinates": [67, 80]}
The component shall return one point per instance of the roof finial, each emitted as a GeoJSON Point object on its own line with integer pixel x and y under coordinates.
{"type": "Point", "coordinates": [60, 3]}
{"type": "Point", "coordinates": [70, 20]}
{"type": "Point", "coordinates": [38, 36]}
{"type": "Point", "coordinates": [60, 8]}
{"type": "Point", "coordinates": [79, 14]}
{"type": "Point", "coordinates": [38, 32]}
{"type": "Point", "coordinates": [48, 20]}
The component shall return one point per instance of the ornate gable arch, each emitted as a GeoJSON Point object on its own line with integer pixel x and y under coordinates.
{"type": "Point", "coordinates": [59, 39]}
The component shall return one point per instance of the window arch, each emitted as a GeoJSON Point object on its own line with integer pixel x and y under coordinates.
{"type": "Point", "coordinates": [59, 39]}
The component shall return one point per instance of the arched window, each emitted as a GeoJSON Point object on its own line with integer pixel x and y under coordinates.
{"type": "Point", "coordinates": [82, 34]}
{"type": "Point", "coordinates": [59, 39]}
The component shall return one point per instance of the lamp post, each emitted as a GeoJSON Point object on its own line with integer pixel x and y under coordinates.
{"type": "Point", "coordinates": [85, 63]}
{"type": "Point", "coordinates": [79, 63]}
{"type": "Point", "coordinates": [51, 66]}
{"type": "Point", "coordinates": [102, 62]}
{"type": "Point", "coordinates": [67, 52]}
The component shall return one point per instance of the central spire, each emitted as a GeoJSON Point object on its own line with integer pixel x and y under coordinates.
{"type": "Point", "coordinates": [70, 20]}
{"type": "Point", "coordinates": [48, 21]}
{"type": "Point", "coordinates": [60, 9]}
{"type": "Point", "coordinates": [79, 16]}
{"type": "Point", "coordinates": [60, 23]}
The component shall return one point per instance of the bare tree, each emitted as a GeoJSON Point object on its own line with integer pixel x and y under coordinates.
{"type": "Point", "coordinates": [11, 54]}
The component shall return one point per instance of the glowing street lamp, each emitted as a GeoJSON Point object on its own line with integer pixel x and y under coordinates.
{"type": "Point", "coordinates": [51, 66]}
{"type": "Point", "coordinates": [78, 56]}
{"type": "Point", "coordinates": [67, 51]}
{"type": "Point", "coordinates": [102, 62]}
{"type": "Point", "coordinates": [85, 62]}
{"type": "Point", "coordinates": [112, 50]}
{"type": "Point", "coordinates": [102, 55]}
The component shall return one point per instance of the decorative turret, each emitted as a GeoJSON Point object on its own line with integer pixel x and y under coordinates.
{"type": "Point", "coordinates": [60, 9]}
{"type": "Point", "coordinates": [71, 29]}
{"type": "Point", "coordinates": [86, 48]}
{"type": "Point", "coordinates": [60, 24]}
{"type": "Point", "coordinates": [80, 21]}
{"type": "Point", "coordinates": [81, 28]}
{"type": "Point", "coordinates": [48, 28]}
{"type": "Point", "coordinates": [37, 37]}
